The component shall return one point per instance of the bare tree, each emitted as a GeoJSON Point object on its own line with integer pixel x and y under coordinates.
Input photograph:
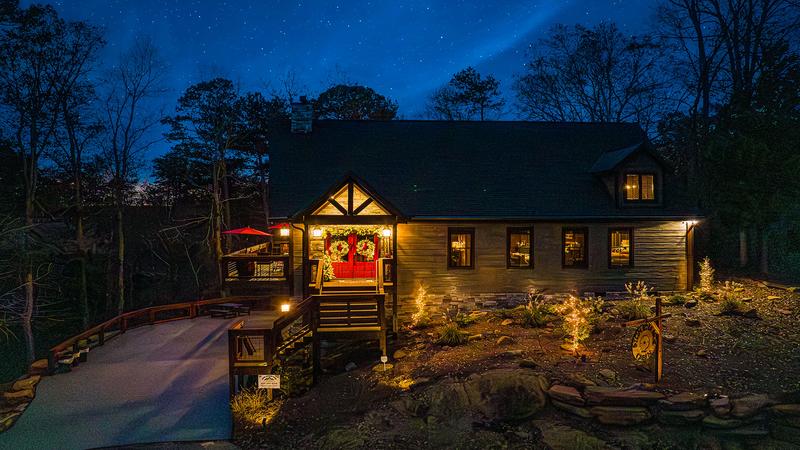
{"type": "Point", "coordinates": [594, 74]}
{"type": "Point", "coordinates": [42, 60]}
{"type": "Point", "coordinates": [467, 96]}
{"type": "Point", "coordinates": [129, 119]}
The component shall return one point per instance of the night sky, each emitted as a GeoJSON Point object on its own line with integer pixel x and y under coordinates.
{"type": "Point", "coordinates": [403, 49]}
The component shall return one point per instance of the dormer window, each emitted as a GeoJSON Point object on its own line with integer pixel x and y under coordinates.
{"type": "Point", "coordinates": [640, 187]}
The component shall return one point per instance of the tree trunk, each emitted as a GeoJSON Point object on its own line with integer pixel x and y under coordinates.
{"type": "Point", "coordinates": [27, 312]}
{"type": "Point", "coordinates": [743, 247]}
{"type": "Point", "coordinates": [216, 219]}
{"type": "Point", "coordinates": [764, 263]}
{"type": "Point", "coordinates": [79, 238]}
{"type": "Point", "coordinates": [264, 189]}
{"type": "Point", "coordinates": [226, 205]}
{"type": "Point", "coordinates": [120, 262]}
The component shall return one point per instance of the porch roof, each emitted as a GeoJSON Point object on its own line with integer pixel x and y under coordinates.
{"type": "Point", "coordinates": [460, 169]}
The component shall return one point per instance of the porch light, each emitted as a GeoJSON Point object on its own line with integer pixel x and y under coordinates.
{"type": "Point", "coordinates": [285, 232]}
{"type": "Point", "coordinates": [285, 307]}
{"type": "Point", "coordinates": [316, 232]}
{"type": "Point", "coordinates": [387, 232]}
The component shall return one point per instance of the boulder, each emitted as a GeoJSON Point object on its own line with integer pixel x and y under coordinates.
{"type": "Point", "coordinates": [528, 364]}
{"type": "Point", "coordinates": [744, 432]}
{"type": "Point", "coordinates": [562, 437]}
{"type": "Point", "coordinates": [566, 394]}
{"type": "Point", "coordinates": [751, 314]}
{"type": "Point", "coordinates": [681, 418]}
{"type": "Point", "coordinates": [691, 322]}
{"type": "Point", "coordinates": [579, 380]}
{"type": "Point", "coordinates": [350, 366]}
{"type": "Point", "coordinates": [607, 374]}
{"type": "Point", "coordinates": [501, 395]}
{"type": "Point", "coordinates": [788, 409]}
{"type": "Point", "coordinates": [26, 383]}
{"type": "Point", "coordinates": [38, 367]}
{"type": "Point", "coordinates": [621, 415]}
{"type": "Point", "coordinates": [691, 303]}
{"type": "Point", "coordinates": [507, 322]}
{"type": "Point", "coordinates": [18, 396]}
{"type": "Point", "coordinates": [505, 340]}
{"type": "Point", "coordinates": [572, 409]}
{"type": "Point", "coordinates": [750, 405]}
{"type": "Point", "coordinates": [474, 337]}
{"type": "Point", "coordinates": [399, 354]}
{"type": "Point", "coordinates": [683, 402]}
{"type": "Point", "coordinates": [6, 420]}
{"type": "Point", "coordinates": [598, 395]}
{"type": "Point", "coordinates": [511, 353]}
{"type": "Point", "coordinates": [721, 406]}
{"type": "Point", "coordinates": [773, 297]}
{"type": "Point", "coordinates": [719, 423]}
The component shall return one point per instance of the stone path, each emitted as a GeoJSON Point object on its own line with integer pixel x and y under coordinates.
{"type": "Point", "coordinates": [167, 382]}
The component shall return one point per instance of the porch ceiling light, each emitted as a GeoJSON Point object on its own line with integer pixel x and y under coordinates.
{"type": "Point", "coordinates": [387, 232]}
{"type": "Point", "coordinates": [285, 307]}
{"type": "Point", "coordinates": [316, 232]}
{"type": "Point", "coordinates": [285, 232]}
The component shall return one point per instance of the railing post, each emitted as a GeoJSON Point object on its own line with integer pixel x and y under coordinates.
{"type": "Point", "coordinates": [382, 321]}
{"type": "Point", "coordinates": [51, 361]}
{"type": "Point", "coordinates": [124, 325]}
{"type": "Point", "coordinates": [231, 362]}
{"type": "Point", "coordinates": [315, 341]}
{"type": "Point", "coordinates": [151, 316]}
{"type": "Point", "coordinates": [101, 337]}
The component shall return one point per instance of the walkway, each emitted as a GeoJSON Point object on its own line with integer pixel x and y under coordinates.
{"type": "Point", "coordinates": [166, 382]}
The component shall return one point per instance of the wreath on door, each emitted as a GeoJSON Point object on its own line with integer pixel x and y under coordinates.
{"type": "Point", "coordinates": [366, 248]}
{"type": "Point", "coordinates": [338, 249]}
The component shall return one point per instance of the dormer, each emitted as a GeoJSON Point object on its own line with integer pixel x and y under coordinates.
{"type": "Point", "coordinates": [633, 176]}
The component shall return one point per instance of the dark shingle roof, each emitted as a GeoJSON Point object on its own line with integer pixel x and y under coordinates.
{"type": "Point", "coordinates": [458, 169]}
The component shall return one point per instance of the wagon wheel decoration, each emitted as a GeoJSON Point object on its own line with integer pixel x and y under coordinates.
{"type": "Point", "coordinates": [643, 344]}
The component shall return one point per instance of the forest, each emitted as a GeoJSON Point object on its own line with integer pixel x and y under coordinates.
{"type": "Point", "coordinates": [93, 223]}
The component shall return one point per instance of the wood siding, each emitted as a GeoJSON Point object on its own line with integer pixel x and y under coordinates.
{"type": "Point", "coordinates": [659, 259]}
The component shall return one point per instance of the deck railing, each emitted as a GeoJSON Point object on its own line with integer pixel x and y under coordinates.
{"type": "Point", "coordinates": [255, 267]}
{"type": "Point", "coordinates": [254, 351]}
{"type": "Point", "coordinates": [79, 344]}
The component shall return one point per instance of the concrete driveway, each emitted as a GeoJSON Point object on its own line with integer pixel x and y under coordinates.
{"type": "Point", "coordinates": [166, 382]}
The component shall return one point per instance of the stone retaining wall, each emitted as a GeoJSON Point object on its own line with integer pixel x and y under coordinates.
{"type": "Point", "coordinates": [19, 394]}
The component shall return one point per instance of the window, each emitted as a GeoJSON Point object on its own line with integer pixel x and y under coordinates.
{"type": "Point", "coordinates": [460, 244]}
{"type": "Point", "coordinates": [574, 244]}
{"type": "Point", "coordinates": [620, 247]}
{"type": "Point", "coordinates": [640, 187]}
{"type": "Point", "coordinates": [519, 248]}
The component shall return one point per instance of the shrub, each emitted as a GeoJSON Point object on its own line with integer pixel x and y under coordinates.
{"type": "Point", "coordinates": [464, 320]}
{"type": "Point", "coordinates": [706, 275]}
{"type": "Point", "coordinates": [504, 313]}
{"type": "Point", "coordinates": [250, 406]}
{"type": "Point", "coordinates": [535, 315]}
{"type": "Point", "coordinates": [731, 305]}
{"type": "Point", "coordinates": [450, 334]}
{"type": "Point", "coordinates": [676, 299]}
{"type": "Point", "coordinates": [638, 307]}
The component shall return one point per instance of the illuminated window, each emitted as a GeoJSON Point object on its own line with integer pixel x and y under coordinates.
{"type": "Point", "coordinates": [640, 187]}
{"type": "Point", "coordinates": [519, 247]}
{"type": "Point", "coordinates": [460, 247]}
{"type": "Point", "coordinates": [574, 243]}
{"type": "Point", "coordinates": [620, 247]}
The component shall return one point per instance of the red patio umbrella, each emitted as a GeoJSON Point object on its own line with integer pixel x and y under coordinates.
{"type": "Point", "coordinates": [247, 230]}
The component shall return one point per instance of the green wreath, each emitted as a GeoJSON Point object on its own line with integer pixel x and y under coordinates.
{"type": "Point", "coordinates": [366, 248]}
{"type": "Point", "coordinates": [338, 249]}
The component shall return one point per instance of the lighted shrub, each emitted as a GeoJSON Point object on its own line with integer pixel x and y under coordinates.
{"type": "Point", "coordinates": [578, 316]}
{"type": "Point", "coordinates": [706, 275]}
{"type": "Point", "coordinates": [250, 406]}
{"type": "Point", "coordinates": [421, 318]}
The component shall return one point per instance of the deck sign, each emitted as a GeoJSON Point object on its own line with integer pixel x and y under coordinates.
{"type": "Point", "coordinates": [269, 381]}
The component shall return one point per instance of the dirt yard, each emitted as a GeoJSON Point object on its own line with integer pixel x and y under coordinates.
{"type": "Point", "coordinates": [754, 348]}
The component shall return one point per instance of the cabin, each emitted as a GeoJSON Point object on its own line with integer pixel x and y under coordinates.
{"type": "Point", "coordinates": [470, 213]}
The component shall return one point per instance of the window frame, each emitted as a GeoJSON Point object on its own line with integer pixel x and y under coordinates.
{"type": "Point", "coordinates": [639, 175]}
{"type": "Point", "coordinates": [631, 247]}
{"type": "Point", "coordinates": [585, 263]}
{"type": "Point", "coordinates": [460, 230]}
{"type": "Point", "coordinates": [518, 230]}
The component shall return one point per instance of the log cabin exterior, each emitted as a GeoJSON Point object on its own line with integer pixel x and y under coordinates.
{"type": "Point", "coordinates": [475, 212]}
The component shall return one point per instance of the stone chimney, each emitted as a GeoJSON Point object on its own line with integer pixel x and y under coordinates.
{"type": "Point", "coordinates": [302, 116]}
